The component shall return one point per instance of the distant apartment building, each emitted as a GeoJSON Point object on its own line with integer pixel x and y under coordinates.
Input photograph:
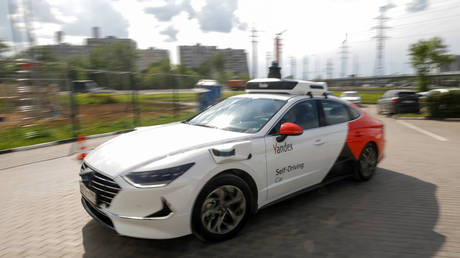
{"type": "Point", "coordinates": [235, 60]}
{"type": "Point", "coordinates": [64, 50]}
{"type": "Point", "coordinates": [452, 67]}
{"type": "Point", "coordinates": [151, 55]}
{"type": "Point", "coordinates": [144, 56]}
{"type": "Point", "coordinates": [107, 41]}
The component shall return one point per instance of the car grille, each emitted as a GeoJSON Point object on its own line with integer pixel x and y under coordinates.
{"type": "Point", "coordinates": [104, 187]}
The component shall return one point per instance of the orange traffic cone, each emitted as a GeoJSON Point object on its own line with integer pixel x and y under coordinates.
{"type": "Point", "coordinates": [81, 147]}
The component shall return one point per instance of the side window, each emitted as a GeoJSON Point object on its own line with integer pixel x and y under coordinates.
{"type": "Point", "coordinates": [334, 112]}
{"type": "Point", "coordinates": [388, 94]}
{"type": "Point", "coordinates": [354, 112]}
{"type": "Point", "coordinates": [304, 114]}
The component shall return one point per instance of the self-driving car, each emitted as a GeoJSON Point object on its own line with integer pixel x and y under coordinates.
{"type": "Point", "coordinates": [207, 175]}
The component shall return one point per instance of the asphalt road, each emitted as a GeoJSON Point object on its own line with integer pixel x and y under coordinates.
{"type": "Point", "coordinates": [411, 208]}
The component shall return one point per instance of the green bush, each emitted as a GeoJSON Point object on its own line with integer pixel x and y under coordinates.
{"type": "Point", "coordinates": [443, 105]}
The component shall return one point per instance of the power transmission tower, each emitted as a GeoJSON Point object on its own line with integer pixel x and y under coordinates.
{"type": "Point", "coordinates": [278, 47]}
{"type": "Point", "coordinates": [16, 35]}
{"type": "Point", "coordinates": [344, 57]}
{"type": "Point", "coordinates": [329, 69]}
{"type": "Point", "coordinates": [317, 69]}
{"type": "Point", "coordinates": [293, 67]}
{"type": "Point", "coordinates": [355, 65]}
{"type": "Point", "coordinates": [268, 59]}
{"type": "Point", "coordinates": [254, 52]}
{"type": "Point", "coordinates": [305, 68]}
{"type": "Point", "coordinates": [380, 37]}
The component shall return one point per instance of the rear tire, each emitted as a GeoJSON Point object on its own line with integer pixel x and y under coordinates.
{"type": "Point", "coordinates": [222, 208]}
{"type": "Point", "coordinates": [367, 163]}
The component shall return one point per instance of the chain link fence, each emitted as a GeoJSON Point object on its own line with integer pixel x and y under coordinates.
{"type": "Point", "coordinates": [42, 102]}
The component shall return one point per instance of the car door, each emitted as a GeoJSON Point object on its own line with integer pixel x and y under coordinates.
{"type": "Point", "coordinates": [334, 127]}
{"type": "Point", "coordinates": [293, 164]}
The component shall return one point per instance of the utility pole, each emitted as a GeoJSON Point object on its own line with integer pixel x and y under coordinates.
{"type": "Point", "coordinates": [254, 52]}
{"type": "Point", "coordinates": [381, 37]}
{"type": "Point", "coordinates": [344, 57]}
{"type": "Point", "coordinates": [305, 68]}
{"type": "Point", "coordinates": [329, 69]}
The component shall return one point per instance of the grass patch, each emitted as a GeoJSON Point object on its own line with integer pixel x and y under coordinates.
{"type": "Point", "coordinates": [411, 115]}
{"type": "Point", "coordinates": [22, 136]}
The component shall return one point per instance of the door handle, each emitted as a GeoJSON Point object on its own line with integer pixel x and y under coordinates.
{"type": "Point", "coordinates": [358, 134]}
{"type": "Point", "coordinates": [318, 142]}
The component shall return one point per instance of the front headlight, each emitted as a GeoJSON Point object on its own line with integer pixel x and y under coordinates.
{"type": "Point", "coordinates": [156, 178]}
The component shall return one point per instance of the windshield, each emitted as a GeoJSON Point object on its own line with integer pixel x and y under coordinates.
{"type": "Point", "coordinates": [350, 94]}
{"type": "Point", "coordinates": [246, 115]}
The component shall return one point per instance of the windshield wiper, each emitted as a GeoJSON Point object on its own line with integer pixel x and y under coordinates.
{"type": "Point", "coordinates": [209, 126]}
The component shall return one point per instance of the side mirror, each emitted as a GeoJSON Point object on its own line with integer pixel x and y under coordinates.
{"type": "Point", "coordinates": [289, 129]}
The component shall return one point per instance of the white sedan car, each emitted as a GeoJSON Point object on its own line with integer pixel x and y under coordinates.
{"type": "Point", "coordinates": [351, 96]}
{"type": "Point", "coordinates": [208, 174]}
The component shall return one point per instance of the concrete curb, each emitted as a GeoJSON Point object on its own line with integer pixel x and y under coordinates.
{"type": "Point", "coordinates": [74, 139]}
{"type": "Point", "coordinates": [409, 118]}
{"type": "Point", "coordinates": [426, 118]}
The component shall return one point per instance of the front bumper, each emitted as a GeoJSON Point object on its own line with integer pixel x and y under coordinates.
{"type": "Point", "coordinates": [170, 226]}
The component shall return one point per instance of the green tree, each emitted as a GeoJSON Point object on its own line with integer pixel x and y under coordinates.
{"type": "Point", "coordinates": [244, 77]}
{"type": "Point", "coordinates": [3, 65]}
{"type": "Point", "coordinates": [187, 78]}
{"type": "Point", "coordinates": [3, 48]}
{"type": "Point", "coordinates": [426, 55]}
{"type": "Point", "coordinates": [76, 65]}
{"type": "Point", "coordinates": [43, 54]}
{"type": "Point", "coordinates": [213, 67]}
{"type": "Point", "coordinates": [115, 57]}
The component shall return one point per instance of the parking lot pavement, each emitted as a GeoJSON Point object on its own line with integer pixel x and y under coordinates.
{"type": "Point", "coordinates": [409, 209]}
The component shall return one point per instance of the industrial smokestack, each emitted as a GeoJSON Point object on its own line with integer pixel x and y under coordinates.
{"type": "Point", "coordinates": [59, 37]}
{"type": "Point", "coordinates": [274, 71]}
{"type": "Point", "coordinates": [96, 32]}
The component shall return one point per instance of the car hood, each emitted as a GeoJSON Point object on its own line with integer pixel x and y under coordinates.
{"type": "Point", "coordinates": [148, 144]}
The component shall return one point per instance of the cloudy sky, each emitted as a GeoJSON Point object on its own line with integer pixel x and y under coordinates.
{"type": "Point", "coordinates": [313, 29]}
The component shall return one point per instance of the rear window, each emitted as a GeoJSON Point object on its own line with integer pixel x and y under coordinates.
{"type": "Point", "coordinates": [406, 94]}
{"type": "Point", "coordinates": [350, 94]}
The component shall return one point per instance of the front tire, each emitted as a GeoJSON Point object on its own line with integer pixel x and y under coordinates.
{"type": "Point", "coordinates": [367, 163]}
{"type": "Point", "coordinates": [222, 208]}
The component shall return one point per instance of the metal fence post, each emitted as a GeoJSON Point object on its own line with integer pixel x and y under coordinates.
{"type": "Point", "coordinates": [175, 97]}
{"type": "Point", "coordinates": [134, 99]}
{"type": "Point", "coordinates": [73, 105]}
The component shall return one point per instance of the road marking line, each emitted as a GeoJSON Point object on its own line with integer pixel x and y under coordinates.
{"type": "Point", "coordinates": [420, 130]}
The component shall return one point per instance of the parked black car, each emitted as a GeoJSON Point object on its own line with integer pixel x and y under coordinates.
{"type": "Point", "coordinates": [398, 101]}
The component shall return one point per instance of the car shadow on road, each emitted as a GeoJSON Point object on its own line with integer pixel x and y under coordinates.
{"type": "Point", "coordinates": [393, 215]}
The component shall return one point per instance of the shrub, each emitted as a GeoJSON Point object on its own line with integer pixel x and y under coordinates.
{"type": "Point", "coordinates": [443, 105]}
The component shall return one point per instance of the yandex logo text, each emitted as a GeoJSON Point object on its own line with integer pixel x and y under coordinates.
{"type": "Point", "coordinates": [282, 148]}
